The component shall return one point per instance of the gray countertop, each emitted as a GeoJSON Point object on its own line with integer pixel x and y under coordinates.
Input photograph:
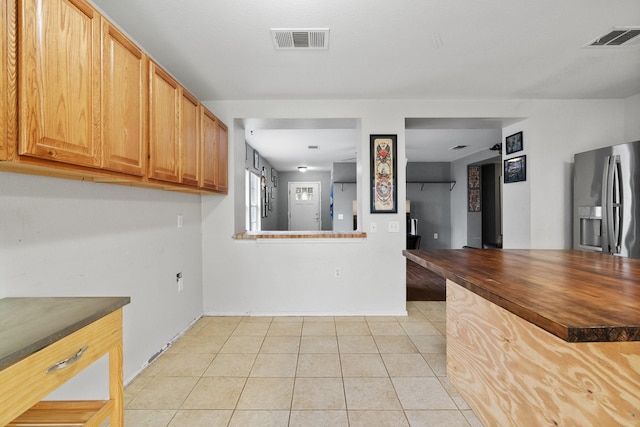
{"type": "Point", "coordinates": [30, 324]}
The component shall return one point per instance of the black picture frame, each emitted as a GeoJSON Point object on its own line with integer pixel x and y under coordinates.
{"type": "Point", "coordinates": [383, 173]}
{"type": "Point", "coordinates": [256, 160]}
{"type": "Point", "coordinates": [515, 169]}
{"type": "Point", "coordinates": [514, 143]}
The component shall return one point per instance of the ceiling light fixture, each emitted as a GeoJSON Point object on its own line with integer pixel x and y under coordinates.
{"type": "Point", "coordinates": [302, 169]}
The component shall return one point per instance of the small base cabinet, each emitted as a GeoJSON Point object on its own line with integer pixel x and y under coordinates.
{"type": "Point", "coordinates": [25, 382]}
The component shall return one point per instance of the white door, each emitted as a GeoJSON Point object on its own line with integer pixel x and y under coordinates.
{"type": "Point", "coordinates": [304, 206]}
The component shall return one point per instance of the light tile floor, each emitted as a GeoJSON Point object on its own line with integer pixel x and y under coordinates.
{"type": "Point", "coordinates": [303, 371]}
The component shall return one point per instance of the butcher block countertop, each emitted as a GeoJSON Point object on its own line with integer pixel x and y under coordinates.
{"type": "Point", "coordinates": [578, 296]}
{"type": "Point", "coordinates": [30, 324]}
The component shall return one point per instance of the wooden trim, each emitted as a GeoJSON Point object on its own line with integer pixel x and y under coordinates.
{"type": "Point", "coordinates": [290, 235]}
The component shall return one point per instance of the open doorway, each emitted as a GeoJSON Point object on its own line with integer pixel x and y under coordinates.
{"type": "Point", "coordinates": [484, 217]}
{"type": "Point", "coordinates": [439, 152]}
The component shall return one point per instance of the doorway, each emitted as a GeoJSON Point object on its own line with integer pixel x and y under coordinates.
{"type": "Point", "coordinates": [304, 206]}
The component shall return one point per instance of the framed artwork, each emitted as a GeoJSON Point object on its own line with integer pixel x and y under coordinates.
{"type": "Point", "coordinates": [515, 169]}
{"type": "Point", "coordinates": [514, 143]}
{"type": "Point", "coordinates": [384, 193]}
{"type": "Point", "coordinates": [256, 160]}
{"type": "Point", "coordinates": [474, 200]}
{"type": "Point", "coordinates": [473, 188]}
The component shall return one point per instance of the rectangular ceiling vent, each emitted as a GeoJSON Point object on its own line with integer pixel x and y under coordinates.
{"type": "Point", "coordinates": [313, 147]}
{"type": "Point", "coordinates": [618, 37]}
{"type": "Point", "coordinates": [300, 38]}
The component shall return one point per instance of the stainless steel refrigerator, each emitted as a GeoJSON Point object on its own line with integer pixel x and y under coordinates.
{"type": "Point", "coordinates": [606, 187]}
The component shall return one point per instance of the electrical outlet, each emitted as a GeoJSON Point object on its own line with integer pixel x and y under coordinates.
{"type": "Point", "coordinates": [337, 272]}
{"type": "Point", "coordinates": [180, 282]}
{"type": "Point", "coordinates": [373, 227]}
{"type": "Point", "coordinates": [394, 227]}
{"type": "Point", "coordinates": [435, 236]}
{"type": "Point", "coordinates": [180, 221]}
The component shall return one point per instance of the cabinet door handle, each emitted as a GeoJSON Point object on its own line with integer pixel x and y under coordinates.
{"type": "Point", "coordinates": [67, 362]}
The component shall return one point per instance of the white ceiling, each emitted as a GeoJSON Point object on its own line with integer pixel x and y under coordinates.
{"type": "Point", "coordinates": [383, 49]}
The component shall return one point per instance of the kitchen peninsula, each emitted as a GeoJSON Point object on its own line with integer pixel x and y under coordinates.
{"type": "Point", "coordinates": [542, 337]}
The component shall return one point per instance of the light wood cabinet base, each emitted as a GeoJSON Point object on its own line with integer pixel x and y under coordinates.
{"type": "Point", "coordinates": [59, 413]}
{"type": "Point", "coordinates": [24, 383]}
{"type": "Point", "coordinates": [513, 373]}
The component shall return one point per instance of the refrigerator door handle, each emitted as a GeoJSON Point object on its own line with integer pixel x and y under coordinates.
{"type": "Point", "coordinates": [613, 204]}
{"type": "Point", "coordinates": [617, 204]}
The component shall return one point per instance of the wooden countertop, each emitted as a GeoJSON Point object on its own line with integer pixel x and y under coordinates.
{"type": "Point", "coordinates": [578, 296]}
{"type": "Point", "coordinates": [30, 324]}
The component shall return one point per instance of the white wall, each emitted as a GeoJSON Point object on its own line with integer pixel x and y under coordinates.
{"type": "Point", "coordinates": [293, 277]}
{"type": "Point", "coordinates": [72, 238]}
{"type": "Point", "coordinates": [297, 277]}
{"type": "Point", "coordinates": [343, 196]}
{"type": "Point", "coordinates": [62, 237]}
{"type": "Point", "coordinates": [555, 132]}
{"type": "Point", "coordinates": [516, 206]}
{"type": "Point", "coordinates": [632, 107]}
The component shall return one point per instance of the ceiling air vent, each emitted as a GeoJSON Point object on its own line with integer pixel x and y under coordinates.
{"type": "Point", "coordinates": [300, 38]}
{"type": "Point", "coordinates": [458, 147]}
{"type": "Point", "coordinates": [618, 37]}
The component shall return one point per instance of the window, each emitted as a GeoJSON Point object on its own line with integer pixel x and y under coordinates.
{"type": "Point", "coordinates": [252, 201]}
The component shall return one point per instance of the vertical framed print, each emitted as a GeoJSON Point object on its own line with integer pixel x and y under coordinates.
{"type": "Point", "coordinates": [384, 160]}
{"type": "Point", "coordinates": [473, 188]}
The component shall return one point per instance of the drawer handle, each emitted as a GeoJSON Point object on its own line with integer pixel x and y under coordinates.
{"type": "Point", "coordinates": [67, 362]}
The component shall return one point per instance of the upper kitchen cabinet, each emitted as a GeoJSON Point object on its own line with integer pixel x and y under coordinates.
{"type": "Point", "coordinates": [190, 139]}
{"type": "Point", "coordinates": [164, 146]}
{"type": "Point", "coordinates": [79, 100]}
{"type": "Point", "coordinates": [59, 81]}
{"type": "Point", "coordinates": [222, 158]}
{"type": "Point", "coordinates": [8, 104]}
{"type": "Point", "coordinates": [124, 103]}
{"type": "Point", "coordinates": [214, 153]}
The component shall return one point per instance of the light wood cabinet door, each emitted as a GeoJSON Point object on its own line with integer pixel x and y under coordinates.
{"type": "Point", "coordinates": [8, 119]}
{"type": "Point", "coordinates": [222, 135]}
{"type": "Point", "coordinates": [214, 153]}
{"type": "Point", "coordinates": [124, 103]}
{"type": "Point", "coordinates": [59, 81]}
{"type": "Point", "coordinates": [209, 148]}
{"type": "Point", "coordinates": [190, 139]}
{"type": "Point", "coordinates": [164, 154]}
